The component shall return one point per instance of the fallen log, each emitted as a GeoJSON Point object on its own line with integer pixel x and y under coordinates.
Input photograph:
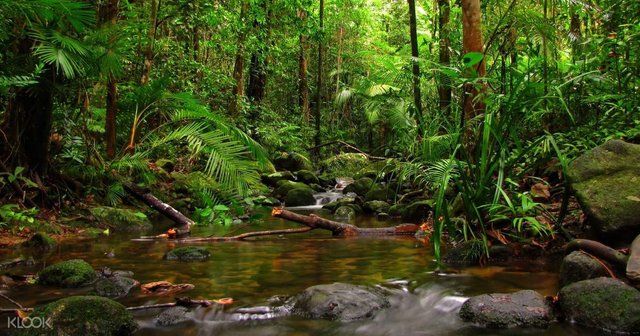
{"type": "Point", "coordinates": [183, 221]}
{"type": "Point", "coordinates": [598, 250]}
{"type": "Point", "coordinates": [343, 229]}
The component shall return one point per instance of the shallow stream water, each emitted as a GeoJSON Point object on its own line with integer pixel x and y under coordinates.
{"type": "Point", "coordinates": [425, 302]}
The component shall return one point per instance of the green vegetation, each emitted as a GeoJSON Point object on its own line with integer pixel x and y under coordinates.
{"type": "Point", "coordinates": [70, 273]}
{"type": "Point", "coordinates": [201, 101]}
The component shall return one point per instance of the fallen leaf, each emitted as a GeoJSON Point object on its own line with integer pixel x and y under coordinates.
{"type": "Point", "coordinates": [224, 301]}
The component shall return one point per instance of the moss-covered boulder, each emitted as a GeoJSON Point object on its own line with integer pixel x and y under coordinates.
{"type": "Point", "coordinates": [417, 212]}
{"type": "Point", "coordinates": [307, 176]}
{"type": "Point", "coordinates": [40, 241]}
{"type": "Point", "coordinates": [360, 186]}
{"type": "Point", "coordinates": [344, 165]}
{"type": "Point", "coordinates": [292, 161]}
{"type": "Point", "coordinates": [273, 179]}
{"type": "Point", "coordinates": [299, 197]}
{"type": "Point", "coordinates": [71, 273]}
{"type": "Point", "coordinates": [188, 253]}
{"type": "Point", "coordinates": [380, 193]}
{"type": "Point", "coordinates": [366, 172]}
{"type": "Point", "coordinates": [376, 206]}
{"type": "Point", "coordinates": [121, 220]}
{"type": "Point", "coordinates": [339, 202]}
{"type": "Point", "coordinates": [339, 301]}
{"type": "Point", "coordinates": [606, 181]}
{"type": "Point", "coordinates": [345, 212]}
{"type": "Point", "coordinates": [396, 210]}
{"type": "Point", "coordinates": [284, 187]}
{"type": "Point", "coordinates": [83, 315]}
{"type": "Point", "coordinates": [114, 286]}
{"type": "Point", "coordinates": [526, 308]}
{"type": "Point", "coordinates": [604, 303]}
{"type": "Point", "coordinates": [578, 266]}
{"type": "Point", "coordinates": [633, 265]}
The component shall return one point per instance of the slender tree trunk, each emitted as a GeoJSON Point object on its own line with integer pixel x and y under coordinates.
{"type": "Point", "coordinates": [151, 35]}
{"type": "Point", "coordinates": [444, 87]}
{"type": "Point", "coordinates": [303, 84]}
{"type": "Point", "coordinates": [545, 62]}
{"type": "Point", "coordinates": [238, 67]}
{"type": "Point", "coordinates": [110, 18]}
{"type": "Point", "coordinates": [576, 33]}
{"type": "Point", "coordinates": [318, 107]}
{"type": "Point", "coordinates": [417, 96]}
{"type": "Point", "coordinates": [472, 42]}
{"type": "Point", "coordinates": [339, 58]}
{"type": "Point", "coordinates": [258, 68]}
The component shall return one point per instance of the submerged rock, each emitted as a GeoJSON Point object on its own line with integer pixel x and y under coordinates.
{"type": "Point", "coordinates": [299, 196]}
{"type": "Point", "coordinates": [578, 266]}
{"type": "Point", "coordinates": [114, 285]}
{"type": "Point", "coordinates": [525, 308]}
{"type": "Point", "coordinates": [339, 301]}
{"type": "Point", "coordinates": [40, 241]}
{"type": "Point", "coordinates": [604, 303]}
{"type": "Point", "coordinates": [121, 220]}
{"type": "Point", "coordinates": [70, 273]}
{"type": "Point", "coordinates": [606, 181]}
{"type": "Point", "coordinates": [83, 315]}
{"type": "Point", "coordinates": [172, 316]}
{"type": "Point", "coordinates": [188, 253]}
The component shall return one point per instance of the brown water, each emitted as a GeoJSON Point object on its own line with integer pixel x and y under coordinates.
{"type": "Point", "coordinates": [425, 302]}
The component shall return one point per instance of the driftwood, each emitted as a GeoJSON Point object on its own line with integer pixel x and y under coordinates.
{"type": "Point", "coordinates": [598, 250]}
{"type": "Point", "coordinates": [183, 221]}
{"type": "Point", "coordinates": [344, 229]}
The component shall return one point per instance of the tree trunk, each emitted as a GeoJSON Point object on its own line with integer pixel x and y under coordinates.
{"type": "Point", "coordinates": [417, 96]}
{"type": "Point", "coordinates": [176, 216]}
{"type": "Point", "coordinates": [472, 42]}
{"type": "Point", "coordinates": [598, 250]}
{"type": "Point", "coordinates": [238, 67]}
{"type": "Point", "coordinates": [339, 58]}
{"type": "Point", "coordinates": [258, 68]}
{"type": "Point", "coordinates": [303, 84]}
{"type": "Point", "coordinates": [110, 17]}
{"type": "Point", "coordinates": [318, 107]}
{"type": "Point", "coordinates": [444, 87]}
{"type": "Point", "coordinates": [151, 35]}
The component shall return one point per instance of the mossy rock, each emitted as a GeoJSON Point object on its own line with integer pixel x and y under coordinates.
{"type": "Point", "coordinates": [71, 273]}
{"type": "Point", "coordinates": [345, 212]}
{"type": "Point", "coordinates": [307, 176]}
{"type": "Point", "coordinates": [376, 206]}
{"type": "Point", "coordinates": [604, 303]}
{"type": "Point", "coordinates": [83, 315]}
{"type": "Point", "coordinates": [578, 266]}
{"type": "Point", "coordinates": [299, 196]}
{"type": "Point", "coordinates": [366, 172]}
{"type": "Point", "coordinates": [340, 302]}
{"type": "Point", "coordinates": [121, 220]}
{"type": "Point", "coordinates": [114, 286]}
{"type": "Point", "coordinates": [173, 316]}
{"type": "Point", "coordinates": [188, 253]}
{"type": "Point", "coordinates": [396, 210]}
{"type": "Point", "coordinates": [344, 165]}
{"type": "Point", "coordinates": [285, 186]}
{"type": "Point", "coordinates": [360, 187]}
{"type": "Point", "coordinates": [606, 181]}
{"type": "Point", "coordinates": [40, 241]}
{"type": "Point", "coordinates": [292, 161]}
{"type": "Point", "coordinates": [317, 187]}
{"type": "Point", "coordinates": [417, 212]}
{"type": "Point", "coordinates": [273, 179]}
{"type": "Point", "coordinates": [338, 203]}
{"type": "Point", "coordinates": [380, 193]}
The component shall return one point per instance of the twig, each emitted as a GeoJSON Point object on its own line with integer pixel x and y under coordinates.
{"type": "Point", "coordinates": [12, 301]}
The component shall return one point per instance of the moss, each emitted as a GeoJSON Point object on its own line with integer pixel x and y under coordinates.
{"type": "Point", "coordinates": [360, 187]}
{"type": "Point", "coordinates": [299, 196]}
{"type": "Point", "coordinates": [308, 177]}
{"type": "Point", "coordinates": [338, 203]}
{"type": "Point", "coordinates": [344, 165]}
{"type": "Point", "coordinates": [40, 241]}
{"type": "Point", "coordinates": [345, 211]}
{"type": "Point", "coordinates": [188, 253]}
{"type": "Point", "coordinates": [376, 206]}
{"type": "Point", "coordinates": [83, 315]}
{"type": "Point", "coordinates": [380, 193]}
{"type": "Point", "coordinates": [70, 273]}
{"type": "Point", "coordinates": [285, 186]}
{"type": "Point", "coordinates": [121, 220]}
{"type": "Point", "coordinates": [397, 209]}
{"type": "Point", "coordinates": [273, 179]}
{"type": "Point", "coordinates": [292, 161]}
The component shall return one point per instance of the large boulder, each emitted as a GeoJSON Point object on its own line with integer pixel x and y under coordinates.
{"type": "Point", "coordinates": [299, 196]}
{"type": "Point", "coordinates": [308, 177]}
{"type": "Point", "coordinates": [292, 162]}
{"type": "Point", "coordinates": [525, 308]}
{"type": "Point", "coordinates": [604, 303]}
{"type": "Point", "coordinates": [121, 220]}
{"type": "Point", "coordinates": [339, 202]}
{"type": "Point", "coordinates": [578, 266]}
{"type": "Point", "coordinates": [83, 315]}
{"type": "Point", "coordinates": [633, 265]}
{"type": "Point", "coordinates": [71, 273]}
{"type": "Point", "coordinates": [417, 212]}
{"type": "Point", "coordinates": [285, 186]}
{"type": "Point", "coordinates": [273, 178]}
{"type": "Point", "coordinates": [360, 186]}
{"type": "Point", "coordinates": [606, 181]}
{"type": "Point", "coordinates": [188, 253]}
{"type": "Point", "coordinates": [344, 165]}
{"type": "Point", "coordinates": [114, 284]}
{"type": "Point", "coordinates": [339, 301]}
{"type": "Point", "coordinates": [376, 206]}
{"type": "Point", "coordinates": [380, 193]}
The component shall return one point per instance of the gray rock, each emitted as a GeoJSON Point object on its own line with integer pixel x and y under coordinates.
{"type": "Point", "coordinates": [300, 196]}
{"type": "Point", "coordinates": [188, 253]}
{"type": "Point", "coordinates": [114, 286]}
{"type": "Point", "coordinates": [604, 303]}
{"type": "Point", "coordinates": [578, 266]}
{"type": "Point", "coordinates": [345, 212]}
{"type": "Point", "coordinates": [339, 301]}
{"type": "Point", "coordinates": [633, 265]}
{"type": "Point", "coordinates": [525, 308]}
{"type": "Point", "coordinates": [172, 316]}
{"type": "Point", "coordinates": [606, 181]}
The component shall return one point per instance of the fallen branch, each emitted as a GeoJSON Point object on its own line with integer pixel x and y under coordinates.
{"type": "Point", "coordinates": [183, 221]}
{"type": "Point", "coordinates": [184, 302]}
{"type": "Point", "coordinates": [15, 262]}
{"type": "Point", "coordinates": [344, 229]}
{"type": "Point", "coordinates": [598, 250]}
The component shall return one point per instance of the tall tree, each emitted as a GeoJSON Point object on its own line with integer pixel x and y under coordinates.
{"type": "Point", "coordinates": [258, 66]}
{"type": "Point", "coordinates": [444, 84]}
{"type": "Point", "coordinates": [303, 84]}
{"type": "Point", "coordinates": [472, 42]}
{"type": "Point", "coordinates": [109, 16]}
{"type": "Point", "coordinates": [417, 96]}
{"type": "Point", "coordinates": [151, 36]}
{"type": "Point", "coordinates": [318, 107]}
{"type": "Point", "coordinates": [238, 66]}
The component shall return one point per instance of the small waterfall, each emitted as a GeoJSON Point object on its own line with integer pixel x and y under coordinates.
{"type": "Point", "coordinates": [329, 196]}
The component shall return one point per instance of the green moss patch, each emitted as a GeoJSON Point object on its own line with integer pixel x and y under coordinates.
{"type": "Point", "coordinates": [70, 273]}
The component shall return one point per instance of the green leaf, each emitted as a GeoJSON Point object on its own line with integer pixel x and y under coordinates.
{"type": "Point", "coordinates": [472, 58]}
{"type": "Point", "coordinates": [140, 215]}
{"type": "Point", "coordinates": [220, 207]}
